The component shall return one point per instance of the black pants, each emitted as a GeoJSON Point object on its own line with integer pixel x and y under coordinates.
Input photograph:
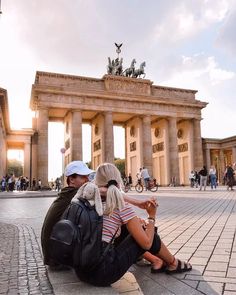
{"type": "Point", "coordinates": [117, 261]}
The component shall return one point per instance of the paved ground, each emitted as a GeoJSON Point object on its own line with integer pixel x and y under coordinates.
{"type": "Point", "coordinates": [199, 226]}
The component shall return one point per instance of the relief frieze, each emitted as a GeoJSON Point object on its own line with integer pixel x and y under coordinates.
{"type": "Point", "coordinates": [133, 146]}
{"type": "Point", "coordinates": [158, 147]}
{"type": "Point", "coordinates": [183, 147]}
{"type": "Point", "coordinates": [127, 86]}
{"type": "Point", "coordinates": [97, 145]}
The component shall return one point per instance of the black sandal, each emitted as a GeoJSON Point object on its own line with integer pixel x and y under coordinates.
{"type": "Point", "coordinates": [181, 267]}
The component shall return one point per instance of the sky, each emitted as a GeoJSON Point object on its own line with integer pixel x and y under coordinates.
{"type": "Point", "coordinates": [185, 43]}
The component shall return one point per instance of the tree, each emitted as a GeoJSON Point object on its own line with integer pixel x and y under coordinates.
{"type": "Point", "coordinates": [120, 164]}
{"type": "Point", "coordinates": [15, 167]}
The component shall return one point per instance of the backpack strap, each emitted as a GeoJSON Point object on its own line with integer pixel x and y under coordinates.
{"type": "Point", "coordinates": [109, 245]}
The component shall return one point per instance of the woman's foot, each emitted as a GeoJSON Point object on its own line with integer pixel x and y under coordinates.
{"type": "Point", "coordinates": [178, 266]}
{"type": "Point", "coordinates": [158, 266]}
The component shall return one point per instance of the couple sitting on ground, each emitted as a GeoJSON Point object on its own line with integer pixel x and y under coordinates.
{"type": "Point", "coordinates": [134, 238]}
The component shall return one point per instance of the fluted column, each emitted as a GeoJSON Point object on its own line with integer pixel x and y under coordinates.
{"type": "Point", "coordinates": [208, 158]}
{"type": "Point", "coordinates": [173, 150]}
{"type": "Point", "coordinates": [42, 163]}
{"type": "Point", "coordinates": [108, 137]}
{"type": "Point", "coordinates": [222, 163]}
{"type": "Point", "coordinates": [147, 144]}
{"type": "Point", "coordinates": [234, 154]}
{"type": "Point", "coordinates": [76, 136]}
{"type": "Point", "coordinates": [197, 143]}
{"type": "Point", "coordinates": [27, 159]}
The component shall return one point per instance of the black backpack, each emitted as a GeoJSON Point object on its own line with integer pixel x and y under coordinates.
{"type": "Point", "coordinates": [76, 239]}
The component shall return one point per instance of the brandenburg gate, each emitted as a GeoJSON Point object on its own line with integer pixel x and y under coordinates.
{"type": "Point", "coordinates": [162, 124]}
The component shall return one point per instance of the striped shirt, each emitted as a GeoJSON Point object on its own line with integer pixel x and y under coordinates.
{"type": "Point", "coordinates": [114, 221]}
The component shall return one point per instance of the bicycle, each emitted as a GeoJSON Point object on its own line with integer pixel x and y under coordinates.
{"type": "Point", "coordinates": [152, 186]}
{"type": "Point", "coordinates": [127, 186]}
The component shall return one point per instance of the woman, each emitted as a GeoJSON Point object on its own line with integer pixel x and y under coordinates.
{"type": "Point", "coordinates": [139, 240]}
{"type": "Point", "coordinates": [212, 175]}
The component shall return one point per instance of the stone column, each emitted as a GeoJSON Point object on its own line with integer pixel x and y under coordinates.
{"type": "Point", "coordinates": [42, 162]}
{"type": "Point", "coordinates": [197, 143]}
{"type": "Point", "coordinates": [108, 137]}
{"type": "Point", "coordinates": [147, 144]}
{"type": "Point", "coordinates": [208, 159]}
{"type": "Point", "coordinates": [76, 136]}
{"type": "Point", "coordinates": [27, 159]}
{"type": "Point", "coordinates": [233, 155]}
{"type": "Point", "coordinates": [173, 150]}
{"type": "Point", "coordinates": [222, 164]}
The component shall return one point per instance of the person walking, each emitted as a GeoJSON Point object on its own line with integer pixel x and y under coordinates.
{"type": "Point", "coordinates": [212, 175]}
{"type": "Point", "coordinates": [229, 174]}
{"type": "Point", "coordinates": [203, 178]}
{"type": "Point", "coordinates": [192, 178]}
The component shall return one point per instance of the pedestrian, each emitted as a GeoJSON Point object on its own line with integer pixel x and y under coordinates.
{"type": "Point", "coordinates": [130, 180]}
{"type": "Point", "coordinates": [192, 178]}
{"type": "Point", "coordinates": [229, 173]}
{"type": "Point", "coordinates": [139, 176]}
{"type": "Point", "coordinates": [121, 256]}
{"type": "Point", "coordinates": [203, 178]}
{"type": "Point", "coordinates": [212, 175]}
{"type": "Point", "coordinates": [39, 184]}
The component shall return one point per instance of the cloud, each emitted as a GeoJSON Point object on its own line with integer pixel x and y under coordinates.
{"type": "Point", "coordinates": [189, 69]}
{"type": "Point", "coordinates": [227, 37]}
{"type": "Point", "coordinates": [187, 18]}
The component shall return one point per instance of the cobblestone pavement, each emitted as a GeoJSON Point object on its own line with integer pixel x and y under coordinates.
{"type": "Point", "coordinates": [21, 268]}
{"type": "Point", "coordinates": [196, 226]}
{"type": "Point", "coordinates": [199, 227]}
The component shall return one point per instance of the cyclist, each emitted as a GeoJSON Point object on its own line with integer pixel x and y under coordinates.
{"type": "Point", "coordinates": [146, 177]}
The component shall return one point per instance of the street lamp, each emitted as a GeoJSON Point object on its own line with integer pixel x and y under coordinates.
{"type": "Point", "coordinates": [62, 150]}
{"type": "Point", "coordinates": [0, 8]}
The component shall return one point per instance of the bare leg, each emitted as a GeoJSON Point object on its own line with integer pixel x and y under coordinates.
{"type": "Point", "coordinates": [170, 260]}
{"type": "Point", "coordinates": [165, 254]}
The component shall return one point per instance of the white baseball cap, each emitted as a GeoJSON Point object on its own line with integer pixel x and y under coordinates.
{"type": "Point", "coordinates": [77, 167]}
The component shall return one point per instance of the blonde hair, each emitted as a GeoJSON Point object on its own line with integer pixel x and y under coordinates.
{"type": "Point", "coordinates": [114, 200]}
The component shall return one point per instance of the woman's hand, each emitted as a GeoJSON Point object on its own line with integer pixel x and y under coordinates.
{"type": "Point", "coordinates": [142, 204]}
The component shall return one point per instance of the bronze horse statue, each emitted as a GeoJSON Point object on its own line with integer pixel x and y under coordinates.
{"type": "Point", "coordinates": [138, 72]}
{"type": "Point", "coordinates": [130, 71]}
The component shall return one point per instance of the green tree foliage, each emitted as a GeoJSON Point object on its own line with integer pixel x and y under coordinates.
{"type": "Point", "coordinates": [120, 164]}
{"type": "Point", "coordinates": [15, 167]}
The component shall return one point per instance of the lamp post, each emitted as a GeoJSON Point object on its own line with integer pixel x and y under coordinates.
{"type": "Point", "coordinates": [0, 8]}
{"type": "Point", "coordinates": [62, 150]}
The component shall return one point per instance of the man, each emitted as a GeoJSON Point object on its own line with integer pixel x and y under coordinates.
{"type": "Point", "coordinates": [146, 177]}
{"type": "Point", "coordinates": [77, 174]}
{"type": "Point", "coordinates": [203, 178]}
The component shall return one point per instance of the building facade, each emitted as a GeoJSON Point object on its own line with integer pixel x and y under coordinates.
{"type": "Point", "coordinates": [162, 126]}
